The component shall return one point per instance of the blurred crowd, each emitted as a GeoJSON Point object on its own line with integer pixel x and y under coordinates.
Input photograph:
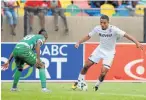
{"type": "Point", "coordinates": [41, 8]}
{"type": "Point", "coordinates": [117, 7]}
{"type": "Point", "coordinates": [116, 3]}
{"type": "Point", "coordinates": [32, 8]}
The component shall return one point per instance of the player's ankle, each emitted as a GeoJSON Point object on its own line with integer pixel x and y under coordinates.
{"type": "Point", "coordinates": [44, 88]}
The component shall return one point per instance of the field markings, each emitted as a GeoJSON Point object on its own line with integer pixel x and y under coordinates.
{"type": "Point", "coordinates": [116, 94]}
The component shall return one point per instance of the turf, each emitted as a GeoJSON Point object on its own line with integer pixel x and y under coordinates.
{"type": "Point", "coordinates": [63, 91]}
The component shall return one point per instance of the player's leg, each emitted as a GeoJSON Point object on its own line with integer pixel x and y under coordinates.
{"type": "Point", "coordinates": [83, 72]}
{"type": "Point", "coordinates": [94, 58]}
{"type": "Point", "coordinates": [107, 62]}
{"type": "Point", "coordinates": [30, 59]}
{"type": "Point", "coordinates": [42, 76]}
{"type": "Point", "coordinates": [102, 75]}
{"type": "Point", "coordinates": [91, 60]}
{"type": "Point", "coordinates": [17, 74]}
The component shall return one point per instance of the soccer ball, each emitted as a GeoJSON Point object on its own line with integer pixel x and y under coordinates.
{"type": "Point", "coordinates": [82, 86]}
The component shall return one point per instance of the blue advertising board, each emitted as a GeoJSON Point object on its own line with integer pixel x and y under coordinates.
{"type": "Point", "coordinates": [62, 62]}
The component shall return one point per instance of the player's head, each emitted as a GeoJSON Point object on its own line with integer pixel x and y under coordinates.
{"type": "Point", "coordinates": [104, 22]}
{"type": "Point", "coordinates": [44, 33]}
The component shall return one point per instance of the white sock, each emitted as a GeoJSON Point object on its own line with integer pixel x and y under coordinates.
{"type": "Point", "coordinates": [81, 77]}
{"type": "Point", "coordinates": [98, 83]}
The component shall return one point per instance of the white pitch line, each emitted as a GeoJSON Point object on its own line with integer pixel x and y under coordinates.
{"type": "Point", "coordinates": [132, 95]}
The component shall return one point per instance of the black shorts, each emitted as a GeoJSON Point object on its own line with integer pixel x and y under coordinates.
{"type": "Point", "coordinates": [31, 10]}
{"type": "Point", "coordinates": [42, 10]}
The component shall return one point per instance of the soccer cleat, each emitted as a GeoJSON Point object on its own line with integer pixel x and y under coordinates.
{"type": "Point", "coordinates": [14, 89]}
{"type": "Point", "coordinates": [95, 88]}
{"type": "Point", "coordinates": [46, 90]}
{"type": "Point", "coordinates": [74, 86]}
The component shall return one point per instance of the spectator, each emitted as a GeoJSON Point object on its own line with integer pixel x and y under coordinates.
{"type": "Point", "coordinates": [34, 8]}
{"type": "Point", "coordinates": [114, 3]}
{"type": "Point", "coordinates": [2, 13]}
{"type": "Point", "coordinates": [30, 9]}
{"type": "Point", "coordinates": [96, 4]}
{"type": "Point", "coordinates": [55, 6]}
{"type": "Point", "coordinates": [73, 9]}
{"type": "Point", "coordinates": [9, 9]}
{"type": "Point", "coordinates": [131, 7]}
{"type": "Point", "coordinates": [134, 3]}
{"type": "Point", "coordinates": [42, 11]}
{"type": "Point", "coordinates": [123, 2]}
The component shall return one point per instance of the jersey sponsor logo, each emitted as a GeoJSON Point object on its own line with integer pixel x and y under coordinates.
{"type": "Point", "coordinates": [105, 35]}
{"type": "Point", "coordinates": [140, 70]}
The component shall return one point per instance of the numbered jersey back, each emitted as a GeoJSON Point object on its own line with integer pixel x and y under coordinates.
{"type": "Point", "coordinates": [32, 39]}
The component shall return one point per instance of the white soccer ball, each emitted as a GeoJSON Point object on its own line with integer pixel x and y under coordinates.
{"type": "Point", "coordinates": [82, 86]}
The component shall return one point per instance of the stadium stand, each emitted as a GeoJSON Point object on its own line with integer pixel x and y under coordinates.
{"type": "Point", "coordinates": [140, 9]}
{"type": "Point", "coordinates": [65, 3]}
{"type": "Point", "coordinates": [124, 12]}
{"type": "Point", "coordinates": [107, 9]}
{"type": "Point", "coordinates": [72, 9]}
{"type": "Point", "coordinates": [78, 10]}
{"type": "Point", "coordinates": [84, 6]}
{"type": "Point", "coordinates": [20, 11]}
{"type": "Point", "coordinates": [78, 27]}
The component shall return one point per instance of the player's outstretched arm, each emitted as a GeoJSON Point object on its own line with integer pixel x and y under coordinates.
{"type": "Point", "coordinates": [129, 37]}
{"type": "Point", "coordinates": [86, 38]}
{"type": "Point", "coordinates": [6, 65]}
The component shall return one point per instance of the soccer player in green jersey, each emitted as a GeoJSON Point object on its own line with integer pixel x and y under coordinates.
{"type": "Point", "coordinates": [24, 53]}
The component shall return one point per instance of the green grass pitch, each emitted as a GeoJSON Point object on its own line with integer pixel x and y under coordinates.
{"type": "Point", "coordinates": [63, 91]}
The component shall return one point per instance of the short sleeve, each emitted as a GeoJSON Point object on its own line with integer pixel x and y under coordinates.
{"type": "Point", "coordinates": [94, 31]}
{"type": "Point", "coordinates": [41, 39]}
{"type": "Point", "coordinates": [119, 32]}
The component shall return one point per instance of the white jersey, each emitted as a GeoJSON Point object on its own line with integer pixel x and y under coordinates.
{"type": "Point", "coordinates": [108, 37]}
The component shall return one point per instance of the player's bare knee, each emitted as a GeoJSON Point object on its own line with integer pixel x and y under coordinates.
{"type": "Point", "coordinates": [103, 73]}
{"type": "Point", "coordinates": [86, 67]}
{"type": "Point", "coordinates": [42, 66]}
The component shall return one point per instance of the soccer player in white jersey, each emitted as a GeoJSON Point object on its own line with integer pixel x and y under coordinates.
{"type": "Point", "coordinates": [106, 50]}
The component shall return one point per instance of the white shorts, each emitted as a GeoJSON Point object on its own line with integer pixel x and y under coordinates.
{"type": "Point", "coordinates": [107, 58]}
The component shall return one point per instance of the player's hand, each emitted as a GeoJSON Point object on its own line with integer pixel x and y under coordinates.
{"type": "Point", "coordinates": [139, 46]}
{"type": "Point", "coordinates": [5, 66]}
{"type": "Point", "coordinates": [77, 45]}
{"type": "Point", "coordinates": [39, 63]}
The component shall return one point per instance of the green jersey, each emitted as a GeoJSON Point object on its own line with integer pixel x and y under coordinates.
{"type": "Point", "coordinates": [31, 40]}
{"type": "Point", "coordinates": [23, 51]}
